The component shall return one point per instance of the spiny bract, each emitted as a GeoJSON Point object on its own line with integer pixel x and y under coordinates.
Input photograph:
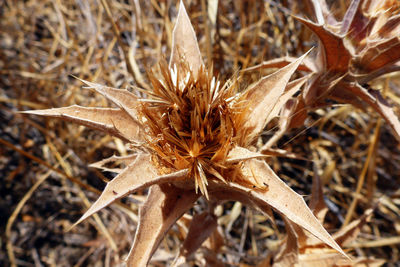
{"type": "Point", "coordinates": [363, 46]}
{"type": "Point", "coordinates": [192, 132]}
{"type": "Point", "coordinates": [193, 122]}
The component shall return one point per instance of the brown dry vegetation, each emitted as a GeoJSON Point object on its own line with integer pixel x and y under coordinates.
{"type": "Point", "coordinates": [46, 182]}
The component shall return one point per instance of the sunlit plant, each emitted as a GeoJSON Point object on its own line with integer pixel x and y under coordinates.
{"type": "Point", "coordinates": [363, 46]}
{"type": "Point", "coordinates": [193, 136]}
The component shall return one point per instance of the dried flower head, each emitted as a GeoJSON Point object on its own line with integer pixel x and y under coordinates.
{"type": "Point", "coordinates": [193, 133]}
{"type": "Point", "coordinates": [352, 52]}
{"type": "Point", "coordinates": [192, 122]}
{"type": "Point", "coordinates": [365, 44]}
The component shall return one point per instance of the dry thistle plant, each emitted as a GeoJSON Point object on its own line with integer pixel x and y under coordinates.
{"type": "Point", "coordinates": [193, 136]}
{"type": "Point", "coordinates": [363, 46]}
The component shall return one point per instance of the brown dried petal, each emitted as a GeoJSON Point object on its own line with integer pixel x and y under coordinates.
{"type": "Point", "coordinates": [290, 90]}
{"type": "Point", "coordinates": [349, 233]}
{"type": "Point", "coordinates": [306, 65]}
{"type": "Point", "coordinates": [336, 55]}
{"type": "Point", "coordinates": [322, 12]}
{"type": "Point", "coordinates": [116, 160]}
{"type": "Point", "coordinates": [317, 203]}
{"type": "Point", "coordinates": [115, 122]}
{"type": "Point", "coordinates": [277, 195]}
{"type": "Point", "coordinates": [201, 227]}
{"type": "Point", "coordinates": [379, 56]}
{"type": "Point", "coordinates": [376, 101]}
{"type": "Point", "coordinates": [349, 16]}
{"type": "Point", "coordinates": [165, 204]}
{"type": "Point", "coordinates": [263, 96]}
{"type": "Point", "coordinates": [138, 175]}
{"type": "Point", "coordinates": [288, 252]}
{"type": "Point", "coordinates": [287, 202]}
{"type": "Point", "coordinates": [121, 97]}
{"type": "Point", "coordinates": [184, 44]}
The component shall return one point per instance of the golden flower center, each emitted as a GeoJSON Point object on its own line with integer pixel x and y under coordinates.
{"type": "Point", "coordinates": [191, 121]}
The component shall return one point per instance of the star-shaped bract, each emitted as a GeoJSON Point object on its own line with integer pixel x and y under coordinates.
{"type": "Point", "coordinates": [195, 137]}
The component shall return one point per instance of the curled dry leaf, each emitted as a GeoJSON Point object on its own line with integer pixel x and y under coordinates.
{"type": "Point", "coordinates": [197, 136]}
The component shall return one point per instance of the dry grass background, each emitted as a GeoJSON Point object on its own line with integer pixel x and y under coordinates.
{"type": "Point", "coordinates": [46, 183]}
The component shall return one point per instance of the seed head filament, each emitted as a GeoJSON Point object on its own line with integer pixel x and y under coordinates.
{"type": "Point", "coordinates": [191, 122]}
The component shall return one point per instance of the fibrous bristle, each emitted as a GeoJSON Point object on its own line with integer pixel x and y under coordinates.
{"type": "Point", "coordinates": [192, 122]}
